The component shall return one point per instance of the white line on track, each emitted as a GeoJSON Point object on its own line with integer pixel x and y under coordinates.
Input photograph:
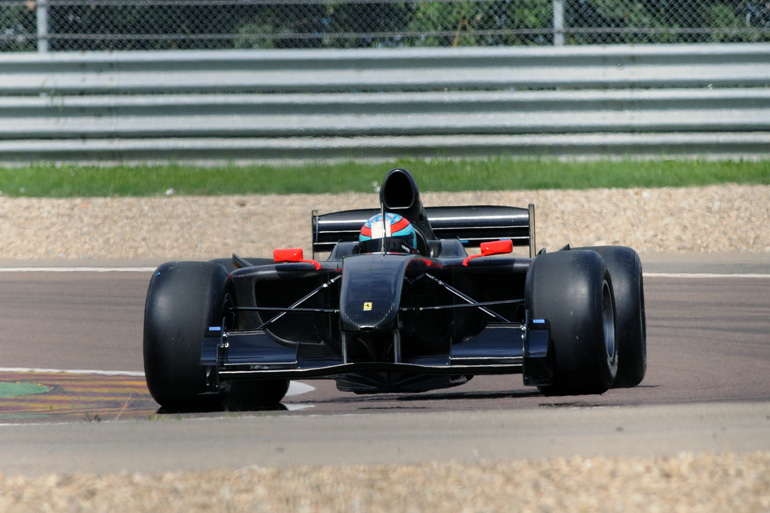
{"type": "Point", "coordinates": [152, 269]}
{"type": "Point", "coordinates": [77, 269]}
{"type": "Point", "coordinates": [73, 371]}
{"type": "Point", "coordinates": [705, 275]}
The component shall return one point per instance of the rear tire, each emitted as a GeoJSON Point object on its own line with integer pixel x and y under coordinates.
{"type": "Point", "coordinates": [183, 299]}
{"type": "Point", "coordinates": [255, 395]}
{"type": "Point", "coordinates": [573, 291]}
{"type": "Point", "coordinates": [630, 318]}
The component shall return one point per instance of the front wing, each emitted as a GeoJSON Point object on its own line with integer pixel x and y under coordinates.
{"type": "Point", "coordinates": [499, 349]}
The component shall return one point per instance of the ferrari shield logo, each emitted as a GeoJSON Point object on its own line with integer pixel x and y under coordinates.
{"type": "Point", "coordinates": [368, 306]}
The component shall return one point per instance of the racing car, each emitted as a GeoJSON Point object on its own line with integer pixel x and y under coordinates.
{"type": "Point", "coordinates": [398, 305]}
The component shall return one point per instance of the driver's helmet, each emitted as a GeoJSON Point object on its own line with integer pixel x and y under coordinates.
{"type": "Point", "coordinates": [397, 232]}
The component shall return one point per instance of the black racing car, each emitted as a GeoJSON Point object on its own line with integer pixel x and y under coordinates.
{"type": "Point", "coordinates": [387, 313]}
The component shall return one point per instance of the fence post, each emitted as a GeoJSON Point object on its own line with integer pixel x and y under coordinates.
{"type": "Point", "coordinates": [558, 22]}
{"type": "Point", "coordinates": [41, 11]}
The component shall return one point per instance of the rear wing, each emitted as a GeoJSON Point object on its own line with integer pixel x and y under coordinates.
{"type": "Point", "coordinates": [472, 225]}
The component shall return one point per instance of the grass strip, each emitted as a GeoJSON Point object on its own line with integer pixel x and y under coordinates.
{"type": "Point", "coordinates": [64, 181]}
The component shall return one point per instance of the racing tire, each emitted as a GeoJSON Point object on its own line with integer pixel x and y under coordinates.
{"type": "Point", "coordinates": [573, 291]}
{"type": "Point", "coordinates": [630, 319]}
{"type": "Point", "coordinates": [255, 395]}
{"type": "Point", "coordinates": [183, 299]}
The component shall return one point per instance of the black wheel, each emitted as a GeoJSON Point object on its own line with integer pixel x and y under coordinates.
{"type": "Point", "coordinates": [630, 318]}
{"type": "Point", "coordinates": [255, 395]}
{"type": "Point", "coordinates": [183, 299]}
{"type": "Point", "coordinates": [573, 291]}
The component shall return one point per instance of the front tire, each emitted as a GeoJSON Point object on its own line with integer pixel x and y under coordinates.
{"type": "Point", "coordinates": [573, 291]}
{"type": "Point", "coordinates": [183, 299]}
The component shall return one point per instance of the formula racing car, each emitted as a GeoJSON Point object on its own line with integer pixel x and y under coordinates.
{"type": "Point", "coordinates": [397, 305]}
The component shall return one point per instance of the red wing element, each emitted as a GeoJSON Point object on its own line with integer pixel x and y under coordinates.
{"type": "Point", "coordinates": [292, 255]}
{"type": "Point", "coordinates": [495, 247]}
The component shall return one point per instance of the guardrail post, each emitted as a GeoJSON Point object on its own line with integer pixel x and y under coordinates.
{"type": "Point", "coordinates": [558, 22]}
{"type": "Point", "coordinates": [42, 25]}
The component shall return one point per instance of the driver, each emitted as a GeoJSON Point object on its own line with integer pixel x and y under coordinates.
{"type": "Point", "coordinates": [394, 235]}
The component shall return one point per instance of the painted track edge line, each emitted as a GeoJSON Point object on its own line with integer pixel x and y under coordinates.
{"type": "Point", "coordinates": [77, 269]}
{"type": "Point", "coordinates": [706, 275]}
{"type": "Point", "coordinates": [152, 269]}
{"type": "Point", "coordinates": [136, 374]}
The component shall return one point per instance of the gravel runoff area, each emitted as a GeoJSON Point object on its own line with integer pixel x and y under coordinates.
{"type": "Point", "coordinates": [728, 218]}
{"type": "Point", "coordinates": [703, 483]}
{"type": "Point", "coordinates": [716, 219]}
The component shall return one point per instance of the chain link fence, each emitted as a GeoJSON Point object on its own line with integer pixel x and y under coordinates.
{"type": "Point", "coordinates": [81, 25]}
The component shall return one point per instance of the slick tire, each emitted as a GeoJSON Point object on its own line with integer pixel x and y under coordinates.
{"type": "Point", "coordinates": [630, 318]}
{"type": "Point", "coordinates": [573, 291]}
{"type": "Point", "coordinates": [255, 395]}
{"type": "Point", "coordinates": [183, 299]}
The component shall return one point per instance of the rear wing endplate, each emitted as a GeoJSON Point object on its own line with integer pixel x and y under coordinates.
{"type": "Point", "coordinates": [471, 224]}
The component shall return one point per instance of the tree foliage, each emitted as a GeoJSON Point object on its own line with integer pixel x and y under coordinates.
{"type": "Point", "coordinates": [76, 25]}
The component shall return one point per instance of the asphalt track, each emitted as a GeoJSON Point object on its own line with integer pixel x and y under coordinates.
{"type": "Point", "coordinates": [707, 385]}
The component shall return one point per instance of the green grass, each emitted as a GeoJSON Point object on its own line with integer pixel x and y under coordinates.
{"type": "Point", "coordinates": [434, 175]}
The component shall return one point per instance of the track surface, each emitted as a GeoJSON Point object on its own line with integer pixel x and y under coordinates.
{"type": "Point", "coordinates": [708, 342]}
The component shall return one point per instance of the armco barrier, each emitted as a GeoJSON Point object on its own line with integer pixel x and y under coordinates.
{"type": "Point", "coordinates": [708, 100]}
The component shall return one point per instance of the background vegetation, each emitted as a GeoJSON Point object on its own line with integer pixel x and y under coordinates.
{"type": "Point", "coordinates": [76, 25]}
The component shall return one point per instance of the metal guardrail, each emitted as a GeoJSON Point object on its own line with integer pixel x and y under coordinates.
{"type": "Point", "coordinates": [708, 100]}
